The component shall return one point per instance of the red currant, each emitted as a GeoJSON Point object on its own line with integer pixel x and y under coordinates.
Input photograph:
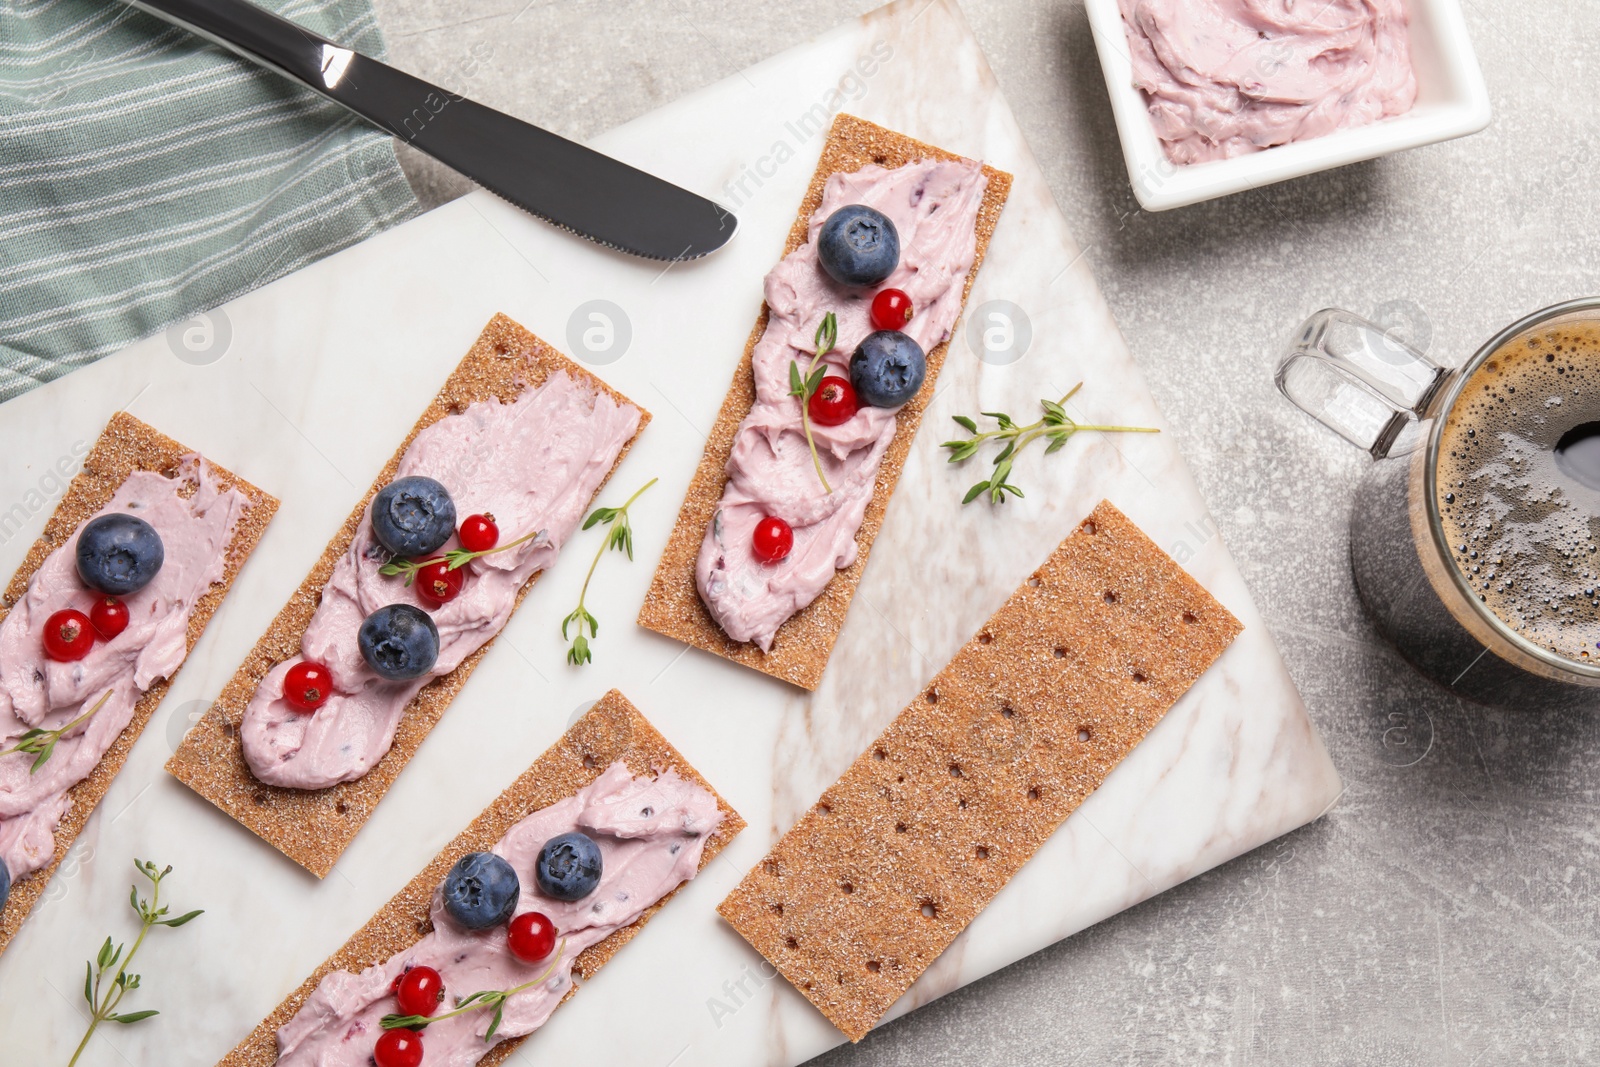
{"type": "Point", "coordinates": [772, 540]}
{"type": "Point", "coordinates": [307, 686]}
{"type": "Point", "coordinates": [479, 533]}
{"type": "Point", "coordinates": [109, 617]}
{"type": "Point", "coordinates": [398, 1048]}
{"type": "Point", "coordinates": [834, 402]}
{"type": "Point", "coordinates": [891, 310]}
{"type": "Point", "coordinates": [438, 583]}
{"type": "Point", "coordinates": [531, 937]}
{"type": "Point", "coordinates": [68, 635]}
{"type": "Point", "coordinates": [419, 991]}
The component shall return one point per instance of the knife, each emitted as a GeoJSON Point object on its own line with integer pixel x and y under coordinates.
{"type": "Point", "coordinates": [558, 180]}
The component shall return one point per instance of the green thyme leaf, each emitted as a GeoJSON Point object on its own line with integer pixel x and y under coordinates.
{"type": "Point", "coordinates": [1056, 425]}
{"type": "Point", "coordinates": [619, 536]}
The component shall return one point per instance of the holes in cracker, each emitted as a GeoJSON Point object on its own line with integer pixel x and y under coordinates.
{"type": "Point", "coordinates": [589, 762]}
{"type": "Point", "coordinates": [341, 807]}
{"type": "Point", "coordinates": [1007, 711]}
{"type": "Point", "coordinates": [777, 908]}
{"type": "Point", "coordinates": [791, 943]}
{"type": "Point", "coordinates": [933, 696]}
{"type": "Point", "coordinates": [899, 827]}
{"type": "Point", "coordinates": [873, 966]}
{"type": "Point", "coordinates": [879, 753]}
{"type": "Point", "coordinates": [1138, 676]}
{"type": "Point", "coordinates": [259, 798]}
{"type": "Point", "coordinates": [955, 770]}
{"type": "Point", "coordinates": [1033, 580]}
{"type": "Point", "coordinates": [1109, 596]}
{"type": "Point", "coordinates": [770, 867]}
{"type": "Point", "coordinates": [1089, 527]}
{"type": "Point", "coordinates": [930, 910]}
{"type": "Point", "coordinates": [1190, 618]}
{"type": "Point", "coordinates": [1061, 652]}
{"type": "Point", "coordinates": [1083, 735]}
{"type": "Point", "coordinates": [824, 808]}
{"type": "Point", "coordinates": [1034, 794]}
{"type": "Point", "coordinates": [982, 852]}
{"type": "Point", "coordinates": [985, 637]}
{"type": "Point", "coordinates": [846, 887]}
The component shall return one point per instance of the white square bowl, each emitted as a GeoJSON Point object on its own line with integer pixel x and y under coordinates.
{"type": "Point", "coordinates": [1452, 101]}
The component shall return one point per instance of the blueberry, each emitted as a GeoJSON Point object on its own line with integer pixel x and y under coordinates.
{"type": "Point", "coordinates": [887, 369]}
{"type": "Point", "coordinates": [481, 891]}
{"type": "Point", "coordinates": [858, 246]}
{"type": "Point", "coordinates": [5, 885]}
{"type": "Point", "coordinates": [568, 867]}
{"type": "Point", "coordinates": [399, 642]}
{"type": "Point", "coordinates": [119, 554]}
{"type": "Point", "coordinates": [413, 516]}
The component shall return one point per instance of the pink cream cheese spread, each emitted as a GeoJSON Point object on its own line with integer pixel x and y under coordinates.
{"type": "Point", "coordinates": [534, 463]}
{"type": "Point", "coordinates": [934, 207]}
{"type": "Point", "coordinates": [1227, 77]}
{"type": "Point", "coordinates": [651, 834]}
{"type": "Point", "coordinates": [195, 518]}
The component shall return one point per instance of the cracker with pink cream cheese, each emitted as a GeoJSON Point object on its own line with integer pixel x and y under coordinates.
{"type": "Point", "coordinates": [534, 463]}
{"type": "Point", "coordinates": [651, 834]}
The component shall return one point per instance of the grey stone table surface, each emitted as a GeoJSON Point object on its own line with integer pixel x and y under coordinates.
{"type": "Point", "coordinates": [1446, 910]}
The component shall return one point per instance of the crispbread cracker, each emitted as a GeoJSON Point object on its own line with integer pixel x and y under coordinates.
{"type": "Point", "coordinates": [928, 824]}
{"type": "Point", "coordinates": [125, 446]}
{"type": "Point", "coordinates": [673, 606]}
{"type": "Point", "coordinates": [313, 827]}
{"type": "Point", "coordinates": [611, 730]}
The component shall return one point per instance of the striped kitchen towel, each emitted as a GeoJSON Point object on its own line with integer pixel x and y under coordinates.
{"type": "Point", "coordinates": [146, 175]}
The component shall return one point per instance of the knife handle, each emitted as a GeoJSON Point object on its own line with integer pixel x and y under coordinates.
{"type": "Point", "coordinates": [373, 90]}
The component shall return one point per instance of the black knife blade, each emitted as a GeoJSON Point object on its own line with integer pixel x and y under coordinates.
{"type": "Point", "coordinates": [546, 175]}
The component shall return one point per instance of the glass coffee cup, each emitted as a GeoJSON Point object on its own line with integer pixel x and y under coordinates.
{"type": "Point", "coordinates": [1475, 536]}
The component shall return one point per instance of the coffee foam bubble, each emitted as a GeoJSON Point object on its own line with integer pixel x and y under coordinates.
{"type": "Point", "coordinates": [1524, 533]}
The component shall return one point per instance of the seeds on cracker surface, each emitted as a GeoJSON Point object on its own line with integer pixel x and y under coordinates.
{"type": "Point", "coordinates": [965, 782]}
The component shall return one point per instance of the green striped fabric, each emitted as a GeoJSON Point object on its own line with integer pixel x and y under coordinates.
{"type": "Point", "coordinates": [146, 175]}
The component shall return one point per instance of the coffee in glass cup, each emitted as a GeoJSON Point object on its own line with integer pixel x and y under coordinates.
{"type": "Point", "coordinates": [1475, 537]}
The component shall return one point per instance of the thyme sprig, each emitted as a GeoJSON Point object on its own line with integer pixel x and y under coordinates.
{"type": "Point", "coordinates": [103, 994]}
{"type": "Point", "coordinates": [1056, 425]}
{"type": "Point", "coordinates": [488, 998]}
{"type": "Point", "coordinates": [619, 536]}
{"type": "Point", "coordinates": [42, 743]}
{"type": "Point", "coordinates": [805, 386]}
{"type": "Point", "coordinates": [457, 558]}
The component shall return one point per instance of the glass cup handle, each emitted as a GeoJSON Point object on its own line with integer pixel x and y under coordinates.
{"type": "Point", "coordinates": [1357, 379]}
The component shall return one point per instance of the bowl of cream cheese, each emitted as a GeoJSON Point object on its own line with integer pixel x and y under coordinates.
{"type": "Point", "coordinates": [1215, 96]}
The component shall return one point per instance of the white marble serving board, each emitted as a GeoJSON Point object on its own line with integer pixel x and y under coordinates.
{"type": "Point", "coordinates": [324, 372]}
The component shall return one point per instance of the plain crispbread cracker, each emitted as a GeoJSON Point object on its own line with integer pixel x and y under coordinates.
{"type": "Point", "coordinates": [313, 827]}
{"type": "Point", "coordinates": [611, 730]}
{"type": "Point", "coordinates": [127, 445]}
{"type": "Point", "coordinates": [804, 643]}
{"type": "Point", "coordinates": [1027, 720]}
